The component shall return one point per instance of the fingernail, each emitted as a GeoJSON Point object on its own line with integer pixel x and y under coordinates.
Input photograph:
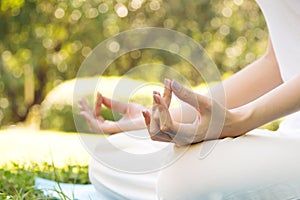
{"type": "Point", "coordinates": [167, 83]}
{"type": "Point", "coordinates": [156, 93]}
{"type": "Point", "coordinates": [176, 86]}
{"type": "Point", "coordinates": [144, 113]}
{"type": "Point", "coordinates": [156, 99]}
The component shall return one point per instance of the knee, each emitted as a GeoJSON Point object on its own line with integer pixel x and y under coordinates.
{"type": "Point", "coordinates": [98, 174]}
{"type": "Point", "coordinates": [99, 178]}
{"type": "Point", "coordinates": [92, 171]}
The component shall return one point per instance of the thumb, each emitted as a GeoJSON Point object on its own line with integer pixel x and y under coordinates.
{"type": "Point", "coordinates": [186, 95]}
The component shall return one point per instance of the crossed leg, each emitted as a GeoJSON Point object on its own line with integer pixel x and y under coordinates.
{"type": "Point", "coordinates": [258, 165]}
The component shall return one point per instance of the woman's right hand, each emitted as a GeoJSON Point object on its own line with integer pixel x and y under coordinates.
{"type": "Point", "coordinates": [132, 118]}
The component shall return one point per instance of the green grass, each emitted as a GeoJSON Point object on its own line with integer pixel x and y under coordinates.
{"type": "Point", "coordinates": [17, 180]}
{"type": "Point", "coordinates": [26, 154]}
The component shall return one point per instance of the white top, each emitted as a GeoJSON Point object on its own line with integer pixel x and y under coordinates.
{"type": "Point", "coordinates": [283, 20]}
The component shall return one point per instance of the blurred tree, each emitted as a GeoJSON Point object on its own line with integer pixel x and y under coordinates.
{"type": "Point", "coordinates": [43, 42]}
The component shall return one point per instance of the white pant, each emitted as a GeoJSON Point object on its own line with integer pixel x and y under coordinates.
{"type": "Point", "coordinates": [258, 165]}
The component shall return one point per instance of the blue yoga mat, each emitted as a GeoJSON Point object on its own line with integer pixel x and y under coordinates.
{"type": "Point", "coordinates": [73, 191]}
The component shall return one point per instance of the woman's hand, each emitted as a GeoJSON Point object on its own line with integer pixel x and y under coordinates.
{"type": "Point", "coordinates": [163, 128]}
{"type": "Point", "coordinates": [154, 125]}
{"type": "Point", "coordinates": [131, 120]}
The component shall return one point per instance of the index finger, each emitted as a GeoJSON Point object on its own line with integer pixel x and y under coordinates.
{"type": "Point", "coordinates": [167, 92]}
{"type": "Point", "coordinates": [98, 105]}
{"type": "Point", "coordinates": [115, 105]}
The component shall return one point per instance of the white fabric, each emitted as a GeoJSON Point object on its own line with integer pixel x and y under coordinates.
{"type": "Point", "coordinates": [291, 125]}
{"type": "Point", "coordinates": [260, 165]}
{"type": "Point", "coordinates": [283, 20]}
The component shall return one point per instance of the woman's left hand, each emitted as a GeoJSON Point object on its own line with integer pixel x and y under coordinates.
{"type": "Point", "coordinates": [163, 128]}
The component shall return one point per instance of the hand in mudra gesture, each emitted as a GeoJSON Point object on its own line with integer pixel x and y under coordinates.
{"type": "Point", "coordinates": [162, 127]}
{"type": "Point", "coordinates": [131, 116]}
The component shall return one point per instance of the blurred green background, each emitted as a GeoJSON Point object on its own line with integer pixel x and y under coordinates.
{"type": "Point", "coordinates": [44, 42]}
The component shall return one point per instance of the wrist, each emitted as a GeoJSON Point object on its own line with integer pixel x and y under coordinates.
{"type": "Point", "coordinates": [237, 121]}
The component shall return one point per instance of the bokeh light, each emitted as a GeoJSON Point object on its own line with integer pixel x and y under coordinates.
{"type": "Point", "coordinates": [46, 41]}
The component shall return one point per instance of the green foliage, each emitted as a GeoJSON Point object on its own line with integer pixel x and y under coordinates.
{"type": "Point", "coordinates": [59, 117]}
{"type": "Point", "coordinates": [43, 42]}
{"type": "Point", "coordinates": [273, 126]}
{"type": "Point", "coordinates": [17, 180]}
{"type": "Point", "coordinates": [10, 4]}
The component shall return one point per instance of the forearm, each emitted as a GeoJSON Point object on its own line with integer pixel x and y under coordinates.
{"type": "Point", "coordinates": [243, 87]}
{"type": "Point", "coordinates": [247, 85]}
{"type": "Point", "coordinates": [283, 100]}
